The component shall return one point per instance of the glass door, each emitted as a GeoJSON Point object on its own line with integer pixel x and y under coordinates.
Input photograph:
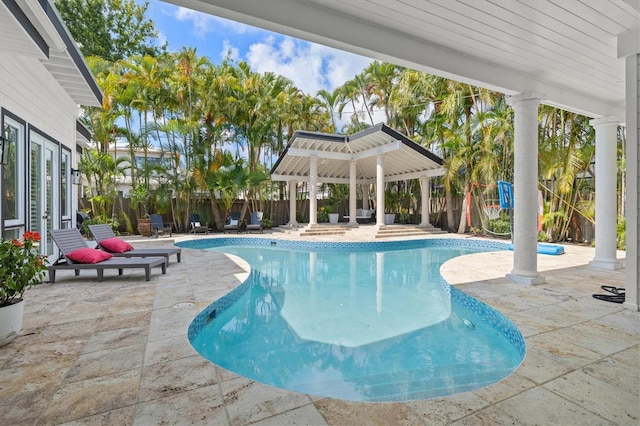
{"type": "Point", "coordinates": [44, 199]}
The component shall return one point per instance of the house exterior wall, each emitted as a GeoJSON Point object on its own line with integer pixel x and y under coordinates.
{"type": "Point", "coordinates": [31, 95]}
{"type": "Point", "coordinates": [28, 91]}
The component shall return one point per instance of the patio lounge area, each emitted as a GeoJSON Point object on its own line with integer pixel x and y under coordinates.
{"type": "Point", "coordinates": [116, 353]}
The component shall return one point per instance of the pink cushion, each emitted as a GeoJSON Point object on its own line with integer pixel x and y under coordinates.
{"type": "Point", "coordinates": [89, 255]}
{"type": "Point", "coordinates": [115, 245]}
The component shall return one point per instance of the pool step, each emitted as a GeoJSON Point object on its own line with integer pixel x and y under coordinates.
{"type": "Point", "coordinates": [389, 231]}
{"type": "Point", "coordinates": [322, 229]}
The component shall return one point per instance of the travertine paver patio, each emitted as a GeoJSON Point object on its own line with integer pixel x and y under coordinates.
{"type": "Point", "coordinates": [116, 353]}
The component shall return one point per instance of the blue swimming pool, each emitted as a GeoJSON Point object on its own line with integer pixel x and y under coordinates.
{"type": "Point", "coordinates": [356, 321]}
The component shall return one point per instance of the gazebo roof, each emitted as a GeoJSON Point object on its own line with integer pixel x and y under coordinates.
{"type": "Point", "coordinates": [405, 159]}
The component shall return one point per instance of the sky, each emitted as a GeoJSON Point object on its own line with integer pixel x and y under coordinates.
{"type": "Point", "coordinates": [310, 66]}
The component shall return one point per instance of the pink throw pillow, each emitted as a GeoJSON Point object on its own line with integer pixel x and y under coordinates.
{"type": "Point", "coordinates": [115, 245]}
{"type": "Point", "coordinates": [89, 255]}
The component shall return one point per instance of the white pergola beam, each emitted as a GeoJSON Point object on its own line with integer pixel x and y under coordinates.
{"type": "Point", "coordinates": [296, 178]}
{"type": "Point", "coordinates": [309, 153]}
{"type": "Point", "coordinates": [345, 156]}
{"type": "Point", "coordinates": [378, 150]}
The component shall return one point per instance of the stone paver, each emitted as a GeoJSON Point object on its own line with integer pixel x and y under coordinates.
{"type": "Point", "coordinates": [116, 352]}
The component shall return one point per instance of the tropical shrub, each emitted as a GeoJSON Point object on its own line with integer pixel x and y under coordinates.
{"type": "Point", "coordinates": [21, 267]}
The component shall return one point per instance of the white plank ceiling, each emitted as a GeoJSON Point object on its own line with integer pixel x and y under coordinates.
{"type": "Point", "coordinates": [565, 49]}
{"type": "Point", "coordinates": [33, 33]}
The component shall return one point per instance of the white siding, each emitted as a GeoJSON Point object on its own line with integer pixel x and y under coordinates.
{"type": "Point", "coordinates": [30, 92]}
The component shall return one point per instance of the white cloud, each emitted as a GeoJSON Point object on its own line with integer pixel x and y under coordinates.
{"type": "Point", "coordinates": [204, 23]}
{"type": "Point", "coordinates": [229, 50]}
{"type": "Point", "coordinates": [161, 39]}
{"type": "Point", "coordinates": [310, 66]}
{"type": "Point", "coordinates": [340, 65]}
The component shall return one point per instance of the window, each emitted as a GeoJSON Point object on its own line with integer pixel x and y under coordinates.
{"type": "Point", "coordinates": [153, 162]}
{"type": "Point", "coordinates": [13, 178]}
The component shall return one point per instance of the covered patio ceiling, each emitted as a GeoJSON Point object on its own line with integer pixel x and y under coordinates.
{"type": "Point", "coordinates": [568, 50]}
{"type": "Point", "coordinates": [405, 160]}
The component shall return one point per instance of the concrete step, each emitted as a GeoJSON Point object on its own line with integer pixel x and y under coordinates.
{"type": "Point", "coordinates": [405, 231]}
{"type": "Point", "coordinates": [323, 229]}
{"type": "Point", "coordinates": [321, 233]}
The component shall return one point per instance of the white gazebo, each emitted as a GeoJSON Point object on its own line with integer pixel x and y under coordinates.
{"type": "Point", "coordinates": [582, 56]}
{"type": "Point", "coordinates": [376, 155]}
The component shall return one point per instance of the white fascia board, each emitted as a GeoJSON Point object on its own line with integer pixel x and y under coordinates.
{"type": "Point", "coordinates": [415, 175]}
{"type": "Point", "coordinates": [34, 9]}
{"type": "Point", "coordinates": [629, 43]}
{"type": "Point", "coordinates": [289, 178]}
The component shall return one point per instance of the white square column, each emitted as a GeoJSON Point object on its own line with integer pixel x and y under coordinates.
{"type": "Point", "coordinates": [629, 48]}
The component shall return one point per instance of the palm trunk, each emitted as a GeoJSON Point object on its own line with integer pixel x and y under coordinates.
{"type": "Point", "coordinates": [449, 202]}
{"type": "Point", "coordinates": [462, 227]}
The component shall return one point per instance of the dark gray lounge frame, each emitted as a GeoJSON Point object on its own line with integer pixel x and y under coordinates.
{"type": "Point", "coordinates": [229, 227]}
{"type": "Point", "coordinates": [103, 232]}
{"type": "Point", "coordinates": [70, 239]}
{"type": "Point", "coordinates": [256, 222]}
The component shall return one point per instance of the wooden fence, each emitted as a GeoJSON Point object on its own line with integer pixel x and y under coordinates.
{"type": "Point", "coordinates": [278, 212]}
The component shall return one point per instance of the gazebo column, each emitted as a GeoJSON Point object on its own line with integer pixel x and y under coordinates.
{"type": "Point", "coordinates": [313, 189]}
{"type": "Point", "coordinates": [365, 195]}
{"type": "Point", "coordinates": [353, 193]}
{"type": "Point", "coordinates": [525, 186]}
{"type": "Point", "coordinates": [380, 190]}
{"type": "Point", "coordinates": [293, 188]}
{"type": "Point", "coordinates": [606, 193]}
{"type": "Point", "coordinates": [424, 202]}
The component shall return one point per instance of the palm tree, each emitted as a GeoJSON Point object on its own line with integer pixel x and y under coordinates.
{"type": "Point", "coordinates": [329, 101]}
{"type": "Point", "coordinates": [567, 147]}
{"type": "Point", "coordinates": [382, 78]}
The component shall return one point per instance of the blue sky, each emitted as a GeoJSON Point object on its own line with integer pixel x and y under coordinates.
{"type": "Point", "coordinates": [310, 66]}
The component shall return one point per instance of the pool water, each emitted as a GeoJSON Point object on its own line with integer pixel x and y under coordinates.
{"type": "Point", "coordinates": [363, 325]}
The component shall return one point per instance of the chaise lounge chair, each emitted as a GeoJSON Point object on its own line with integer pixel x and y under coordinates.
{"type": "Point", "coordinates": [362, 216]}
{"type": "Point", "coordinates": [107, 240]}
{"type": "Point", "coordinates": [195, 225]}
{"type": "Point", "coordinates": [158, 227]}
{"type": "Point", "coordinates": [78, 255]}
{"type": "Point", "coordinates": [234, 222]}
{"type": "Point", "coordinates": [256, 222]}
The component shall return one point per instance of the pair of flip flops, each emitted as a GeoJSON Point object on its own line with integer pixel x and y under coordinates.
{"type": "Point", "coordinates": [616, 296]}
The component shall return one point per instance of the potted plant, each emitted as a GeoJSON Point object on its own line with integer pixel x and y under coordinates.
{"type": "Point", "coordinates": [392, 204]}
{"type": "Point", "coordinates": [336, 196]}
{"type": "Point", "coordinates": [21, 267]}
{"type": "Point", "coordinates": [139, 199]}
{"type": "Point", "coordinates": [330, 206]}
